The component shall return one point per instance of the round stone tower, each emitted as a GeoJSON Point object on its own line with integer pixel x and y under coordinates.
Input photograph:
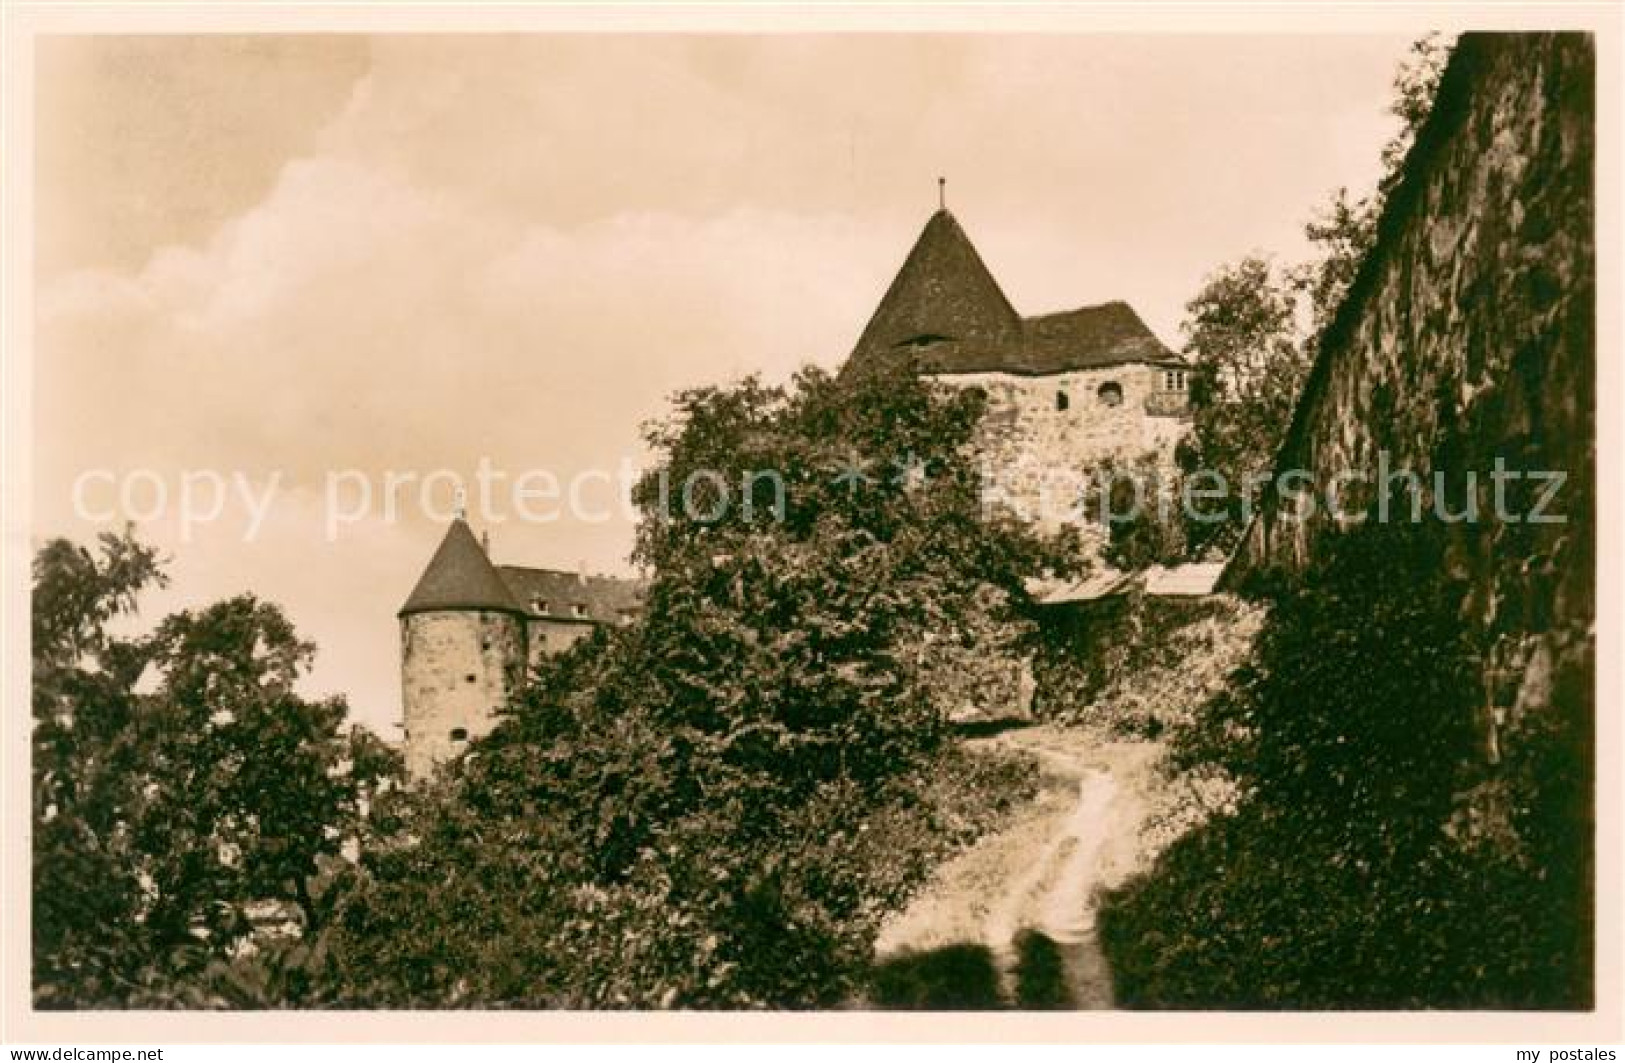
{"type": "Point", "coordinates": [462, 651]}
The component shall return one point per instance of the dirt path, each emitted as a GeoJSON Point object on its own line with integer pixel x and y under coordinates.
{"type": "Point", "coordinates": [1042, 872]}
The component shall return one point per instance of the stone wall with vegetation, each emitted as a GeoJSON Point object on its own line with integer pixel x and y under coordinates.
{"type": "Point", "coordinates": [1411, 742]}
{"type": "Point", "coordinates": [1467, 340]}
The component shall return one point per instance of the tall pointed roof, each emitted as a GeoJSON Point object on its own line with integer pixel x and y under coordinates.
{"type": "Point", "coordinates": [943, 292]}
{"type": "Point", "coordinates": [460, 577]}
{"type": "Point", "coordinates": [945, 308]}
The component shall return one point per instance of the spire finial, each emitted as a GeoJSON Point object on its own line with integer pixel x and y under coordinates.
{"type": "Point", "coordinates": [942, 193]}
{"type": "Point", "coordinates": [460, 505]}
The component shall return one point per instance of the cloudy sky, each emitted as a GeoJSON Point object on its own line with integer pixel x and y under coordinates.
{"type": "Point", "coordinates": [306, 262]}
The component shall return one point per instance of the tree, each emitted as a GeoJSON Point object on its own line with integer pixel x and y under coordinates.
{"type": "Point", "coordinates": [701, 808]}
{"type": "Point", "coordinates": [162, 818]}
{"type": "Point", "coordinates": [257, 786]}
{"type": "Point", "coordinates": [88, 746]}
{"type": "Point", "coordinates": [1241, 332]}
{"type": "Point", "coordinates": [879, 554]}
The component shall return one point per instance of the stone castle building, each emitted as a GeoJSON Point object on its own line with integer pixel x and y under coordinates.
{"type": "Point", "coordinates": [1065, 391]}
{"type": "Point", "coordinates": [471, 629]}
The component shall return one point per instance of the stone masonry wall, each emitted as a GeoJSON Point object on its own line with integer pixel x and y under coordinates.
{"type": "Point", "coordinates": [1025, 436]}
{"type": "Point", "coordinates": [1468, 338]}
{"type": "Point", "coordinates": [549, 637]}
{"type": "Point", "coordinates": [457, 668]}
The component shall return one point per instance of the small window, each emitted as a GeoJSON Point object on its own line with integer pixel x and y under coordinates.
{"type": "Point", "coordinates": [470, 678]}
{"type": "Point", "coordinates": [1061, 400]}
{"type": "Point", "coordinates": [459, 734]}
{"type": "Point", "coordinates": [1174, 380]}
{"type": "Point", "coordinates": [538, 605]}
{"type": "Point", "coordinates": [1110, 393]}
{"type": "Point", "coordinates": [578, 609]}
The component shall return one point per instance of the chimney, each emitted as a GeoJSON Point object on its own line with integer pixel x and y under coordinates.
{"type": "Point", "coordinates": [485, 541]}
{"type": "Point", "coordinates": [581, 572]}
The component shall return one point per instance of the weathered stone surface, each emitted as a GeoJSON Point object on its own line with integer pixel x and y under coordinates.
{"type": "Point", "coordinates": [455, 667]}
{"type": "Point", "coordinates": [1041, 432]}
{"type": "Point", "coordinates": [1467, 340]}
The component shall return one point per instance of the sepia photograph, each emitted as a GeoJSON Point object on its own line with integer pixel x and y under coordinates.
{"type": "Point", "coordinates": [683, 517]}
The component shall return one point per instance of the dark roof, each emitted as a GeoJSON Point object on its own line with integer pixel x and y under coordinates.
{"type": "Point", "coordinates": [1086, 338]}
{"type": "Point", "coordinates": [553, 595]}
{"type": "Point", "coordinates": [460, 577]}
{"type": "Point", "coordinates": [944, 290]}
{"type": "Point", "coordinates": [946, 309]}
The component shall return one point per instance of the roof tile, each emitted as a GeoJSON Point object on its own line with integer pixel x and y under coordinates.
{"type": "Point", "coordinates": [945, 308]}
{"type": "Point", "coordinates": [459, 577]}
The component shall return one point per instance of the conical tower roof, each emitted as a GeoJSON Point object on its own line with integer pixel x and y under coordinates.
{"type": "Point", "coordinates": [944, 292]}
{"type": "Point", "coordinates": [460, 577]}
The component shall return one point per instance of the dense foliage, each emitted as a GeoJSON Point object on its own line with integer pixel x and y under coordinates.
{"type": "Point", "coordinates": [180, 784]}
{"type": "Point", "coordinates": [1349, 873]}
{"type": "Point", "coordinates": [713, 806]}
{"type": "Point", "coordinates": [1134, 664]}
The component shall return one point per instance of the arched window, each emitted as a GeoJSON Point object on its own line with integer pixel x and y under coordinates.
{"type": "Point", "coordinates": [1110, 393]}
{"type": "Point", "coordinates": [1061, 400]}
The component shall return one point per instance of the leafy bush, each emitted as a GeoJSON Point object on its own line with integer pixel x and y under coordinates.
{"type": "Point", "coordinates": [714, 806]}
{"type": "Point", "coordinates": [1041, 981]}
{"type": "Point", "coordinates": [1342, 878]}
{"type": "Point", "coordinates": [1138, 665]}
{"type": "Point", "coordinates": [960, 977]}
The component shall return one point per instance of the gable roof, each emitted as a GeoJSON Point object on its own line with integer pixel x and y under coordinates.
{"type": "Point", "coordinates": [549, 594]}
{"type": "Point", "coordinates": [459, 577]}
{"type": "Point", "coordinates": [945, 308]}
{"type": "Point", "coordinates": [1086, 338]}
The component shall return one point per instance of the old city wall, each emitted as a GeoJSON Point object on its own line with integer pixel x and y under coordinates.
{"type": "Point", "coordinates": [1468, 338]}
